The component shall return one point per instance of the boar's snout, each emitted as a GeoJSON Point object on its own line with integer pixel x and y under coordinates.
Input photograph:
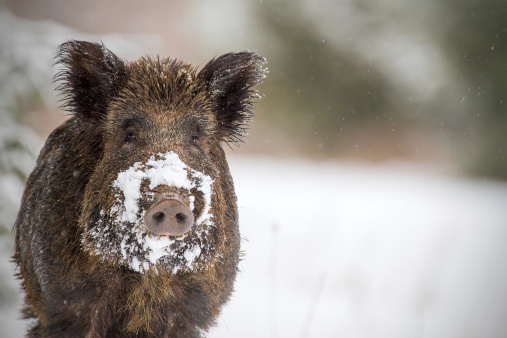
{"type": "Point", "coordinates": [169, 217]}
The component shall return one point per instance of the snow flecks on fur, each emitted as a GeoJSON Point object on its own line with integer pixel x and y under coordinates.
{"type": "Point", "coordinates": [126, 236]}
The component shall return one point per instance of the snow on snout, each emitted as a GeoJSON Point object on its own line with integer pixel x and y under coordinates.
{"type": "Point", "coordinates": [135, 247]}
{"type": "Point", "coordinates": [167, 170]}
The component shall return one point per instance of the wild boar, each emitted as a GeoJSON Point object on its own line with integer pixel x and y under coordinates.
{"type": "Point", "coordinates": [128, 225]}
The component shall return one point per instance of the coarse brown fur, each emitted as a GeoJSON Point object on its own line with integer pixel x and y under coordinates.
{"type": "Point", "coordinates": [124, 113]}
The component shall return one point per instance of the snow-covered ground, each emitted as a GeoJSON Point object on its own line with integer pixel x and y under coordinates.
{"type": "Point", "coordinates": [336, 250]}
{"type": "Point", "coordinates": [347, 250]}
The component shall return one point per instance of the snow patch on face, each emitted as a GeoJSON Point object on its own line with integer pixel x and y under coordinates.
{"type": "Point", "coordinates": [138, 248]}
{"type": "Point", "coordinates": [191, 255]}
{"type": "Point", "coordinates": [168, 170]}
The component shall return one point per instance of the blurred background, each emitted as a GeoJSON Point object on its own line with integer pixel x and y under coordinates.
{"type": "Point", "coordinates": [404, 88]}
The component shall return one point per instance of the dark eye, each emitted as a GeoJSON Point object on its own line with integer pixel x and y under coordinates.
{"type": "Point", "coordinates": [194, 140]}
{"type": "Point", "coordinates": [130, 136]}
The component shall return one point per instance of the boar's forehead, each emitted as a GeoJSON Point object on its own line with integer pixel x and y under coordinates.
{"type": "Point", "coordinates": [164, 85]}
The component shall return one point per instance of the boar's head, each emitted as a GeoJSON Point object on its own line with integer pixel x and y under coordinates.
{"type": "Point", "coordinates": [160, 197]}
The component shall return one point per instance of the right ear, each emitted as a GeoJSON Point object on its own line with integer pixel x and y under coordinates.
{"type": "Point", "coordinates": [91, 76]}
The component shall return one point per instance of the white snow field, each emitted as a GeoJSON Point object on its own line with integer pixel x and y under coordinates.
{"type": "Point", "coordinates": [337, 249]}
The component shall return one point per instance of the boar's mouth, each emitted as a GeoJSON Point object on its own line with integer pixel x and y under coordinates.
{"type": "Point", "coordinates": [161, 187]}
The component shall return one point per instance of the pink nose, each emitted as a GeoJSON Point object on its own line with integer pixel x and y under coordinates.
{"type": "Point", "coordinates": [169, 217]}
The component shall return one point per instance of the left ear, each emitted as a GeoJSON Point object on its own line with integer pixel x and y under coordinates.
{"type": "Point", "coordinates": [229, 79]}
{"type": "Point", "coordinates": [90, 77]}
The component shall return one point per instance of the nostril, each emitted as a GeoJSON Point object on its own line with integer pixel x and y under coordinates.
{"type": "Point", "coordinates": [158, 217]}
{"type": "Point", "coordinates": [180, 217]}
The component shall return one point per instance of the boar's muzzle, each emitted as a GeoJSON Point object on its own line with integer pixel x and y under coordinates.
{"type": "Point", "coordinates": [169, 217]}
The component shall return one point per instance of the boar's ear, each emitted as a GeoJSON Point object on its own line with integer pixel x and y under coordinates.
{"type": "Point", "coordinates": [229, 79]}
{"type": "Point", "coordinates": [91, 75]}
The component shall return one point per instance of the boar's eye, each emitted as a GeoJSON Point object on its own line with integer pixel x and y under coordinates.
{"type": "Point", "coordinates": [130, 129]}
{"type": "Point", "coordinates": [130, 136]}
{"type": "Point", "coordinates": [193, 140]}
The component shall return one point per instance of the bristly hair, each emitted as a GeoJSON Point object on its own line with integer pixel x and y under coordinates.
{"type": "Point", "coordinates": [90, 76]}
{"type": "Point", "coordinates": [169, 83]}
{"type": "Point", "coordinates": [229, 79]}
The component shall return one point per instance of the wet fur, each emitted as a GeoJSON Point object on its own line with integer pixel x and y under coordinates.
{"type": "Point", "coordinates": [73, 293]}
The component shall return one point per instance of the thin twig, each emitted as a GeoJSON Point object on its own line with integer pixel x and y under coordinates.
{"type": "Point", "coordinates": [314, 301]}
